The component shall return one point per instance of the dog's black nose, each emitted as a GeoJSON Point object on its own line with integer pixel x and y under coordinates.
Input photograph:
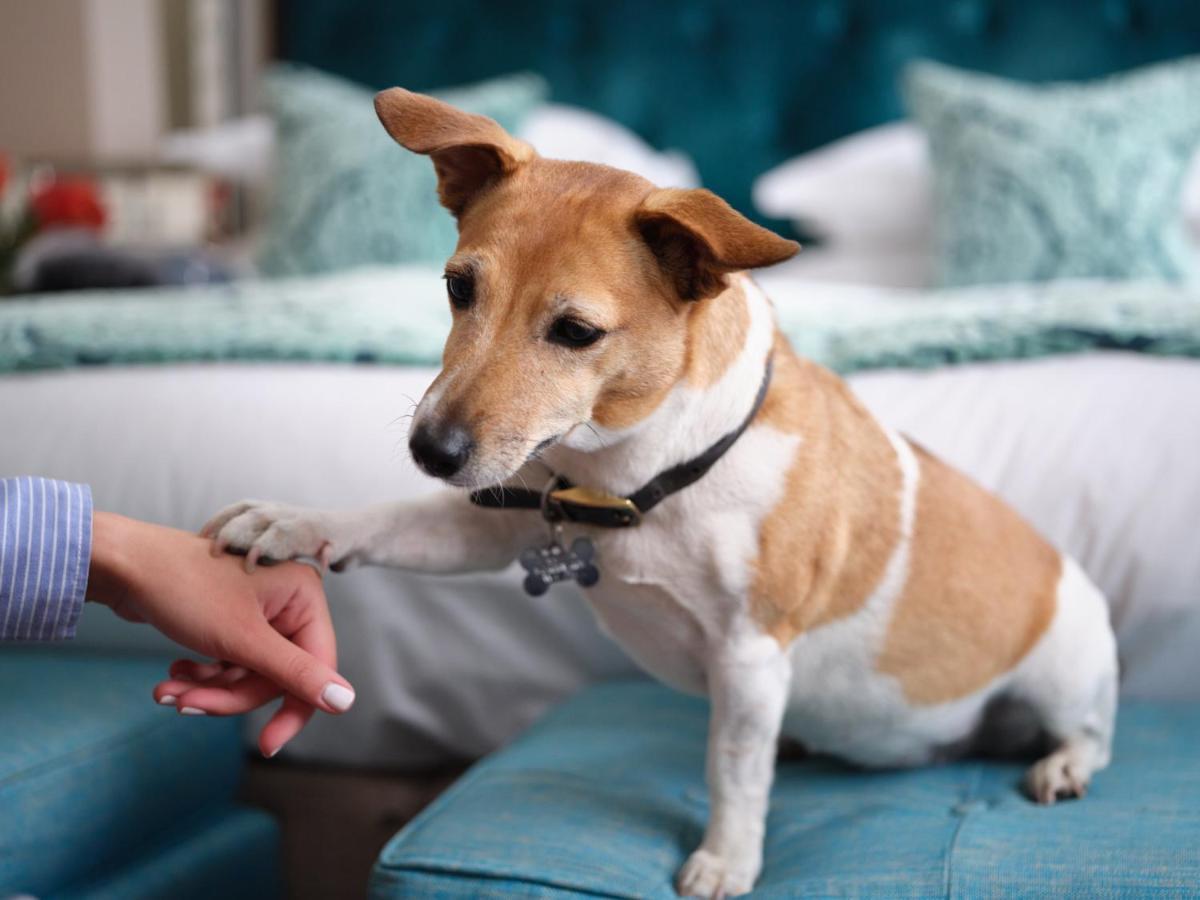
{"type": "Point", "coordinates": [441, 451]}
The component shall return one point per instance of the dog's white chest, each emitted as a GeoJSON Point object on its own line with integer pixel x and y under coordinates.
{"type": "Point", "coordinates": [654, 601]}
{"type": "Point", "coordinates": [672, 587]}
{"type": "Point", "coordinates": [654, 628]}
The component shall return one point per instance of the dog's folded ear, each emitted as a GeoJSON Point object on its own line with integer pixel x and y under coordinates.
{"type": "Point", "coordinates": [469, 152]}
{"type": "Point", "coordinates": [698, 239]}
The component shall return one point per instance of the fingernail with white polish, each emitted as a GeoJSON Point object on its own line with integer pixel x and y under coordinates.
{"type": "Point", "coordinates": [271, 755]}
{"type": "Point", "coordinates": [338, 696]}
{"type": "Point", "coordinates": [167, 700]}
{"type": "Point", "coordinates": [192, 711]}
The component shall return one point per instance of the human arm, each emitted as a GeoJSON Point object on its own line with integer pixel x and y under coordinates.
{"type": "Point", "coordinates": [45, 545]}
{"type": "Point", "coordinates": [271, 627]}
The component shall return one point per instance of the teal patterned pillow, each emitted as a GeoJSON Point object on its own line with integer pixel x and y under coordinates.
{"type": "Point", "coordinates": [345, 193]}
{"type": "Point", "coordinates": [1034, 182]}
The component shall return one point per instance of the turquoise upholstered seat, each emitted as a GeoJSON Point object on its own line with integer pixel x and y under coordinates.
{"type": "Point", "coordinates": [605, 797]}
{"type": "Point", "coordinates": [105, 795]}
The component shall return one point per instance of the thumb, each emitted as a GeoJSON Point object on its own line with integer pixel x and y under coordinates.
{"type": "Point", "coordinates": [296, 671]}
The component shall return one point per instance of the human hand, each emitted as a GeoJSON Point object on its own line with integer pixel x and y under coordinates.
{"type": "Point", "coordinates": [270, 630]}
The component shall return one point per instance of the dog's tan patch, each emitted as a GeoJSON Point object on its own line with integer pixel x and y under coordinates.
{"type": "Point", "coordinates": [560, 232]}
{"type": "Point", "coordinates": [716, 335]}
{"type": "Point", "coordinates": [825, 546]}
{"type": "Point", "coordinates": [981, 589]}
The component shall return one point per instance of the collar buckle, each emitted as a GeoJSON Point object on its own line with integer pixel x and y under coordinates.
{"type": "Point", "coordinates": [622, 510]}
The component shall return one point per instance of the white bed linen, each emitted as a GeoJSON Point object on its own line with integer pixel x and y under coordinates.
{"type": "Point", "coordinates": [1099, 451]}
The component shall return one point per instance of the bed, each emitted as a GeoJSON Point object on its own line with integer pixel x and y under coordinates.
{"type": "Point", "coordinates": [255, 393]}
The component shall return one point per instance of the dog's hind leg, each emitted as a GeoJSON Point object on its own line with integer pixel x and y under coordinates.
{"type": "Point", "coordinates": [1071, 681]}
{"type": "Point", "coordinates": [1067, 771]}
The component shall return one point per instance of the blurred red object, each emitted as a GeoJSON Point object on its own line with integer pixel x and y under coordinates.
{"type": "Point", "coordinates": [3, 173]}
{"type": "Point", "coordinates": [67, 202]}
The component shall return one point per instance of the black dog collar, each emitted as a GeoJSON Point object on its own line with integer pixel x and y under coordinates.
{"type": "Point", "coordinates": [564, 501]}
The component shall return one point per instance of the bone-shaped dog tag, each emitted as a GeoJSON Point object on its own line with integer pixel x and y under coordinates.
{"type": "Point", "coordinates": [552, 563]}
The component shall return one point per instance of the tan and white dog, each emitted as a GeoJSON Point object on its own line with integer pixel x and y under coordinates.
{"type": "Point", "coordinates": [827, 579]}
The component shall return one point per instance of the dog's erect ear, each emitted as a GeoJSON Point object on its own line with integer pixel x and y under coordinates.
{"type": "Point", "coordinates": [698, 239]}
{"type": "Point", "coordinates": [469, 152]}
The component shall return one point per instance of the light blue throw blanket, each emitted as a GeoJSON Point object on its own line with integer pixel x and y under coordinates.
{"type": "Point", "coordinates": [399, 316]}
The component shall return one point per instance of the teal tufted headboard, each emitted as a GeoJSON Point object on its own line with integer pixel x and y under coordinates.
{"type": "Point", "coordinates": [740, 85]}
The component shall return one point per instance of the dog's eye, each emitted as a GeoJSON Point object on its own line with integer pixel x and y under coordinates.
{"type": "Point", "coordinates": [573, 333]}
{"type": "Point", "coordinates": [461, 290]}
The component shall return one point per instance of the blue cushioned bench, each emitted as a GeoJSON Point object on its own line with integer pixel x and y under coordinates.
{"type": "Point", "coordinates": [605, 797]}
{"type": "Point", "coordinates": [103, 794]}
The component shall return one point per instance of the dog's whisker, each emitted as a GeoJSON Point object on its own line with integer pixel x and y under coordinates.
{"type": "Point", "coordinates": [412, 411]}
{"type": "Point", "coordinates": [497, 494]}
{"type": "Point", "coordinates": [599, 440]}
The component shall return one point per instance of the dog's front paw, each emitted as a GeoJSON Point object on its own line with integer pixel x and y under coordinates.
{"type": "Point", "coordinates": [708, 874]}
{"type": "Point", "coordinates": [272, 531]}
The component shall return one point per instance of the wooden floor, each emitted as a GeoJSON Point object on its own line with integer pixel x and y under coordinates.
{"type": "Point", "coordinates": [336, 821]}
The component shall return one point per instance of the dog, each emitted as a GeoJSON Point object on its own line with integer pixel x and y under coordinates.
{"type": "Point", "coordinates": [814, 574]}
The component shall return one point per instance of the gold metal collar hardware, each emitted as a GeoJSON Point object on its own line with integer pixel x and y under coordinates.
{"type": "Point", "coordinates": [585, 496]}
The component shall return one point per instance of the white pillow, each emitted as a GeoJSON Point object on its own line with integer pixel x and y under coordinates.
{"type": "Point", "coordinates": [873, 191]}
{"type": "Point", "coordinates": [868, 197]}
{"type": "Point", "coordinates": [568, 132]}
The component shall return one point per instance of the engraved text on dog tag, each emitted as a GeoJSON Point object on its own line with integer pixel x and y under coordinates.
{"type": "Point", "coordinates": [552, 563]}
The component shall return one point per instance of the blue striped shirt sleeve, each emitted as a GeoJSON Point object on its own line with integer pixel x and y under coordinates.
{"type": "Point", "coordinates": [45, 550]}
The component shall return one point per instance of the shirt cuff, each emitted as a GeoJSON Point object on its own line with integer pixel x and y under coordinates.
{"type": "Point", "coordinates": [45, 554]}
